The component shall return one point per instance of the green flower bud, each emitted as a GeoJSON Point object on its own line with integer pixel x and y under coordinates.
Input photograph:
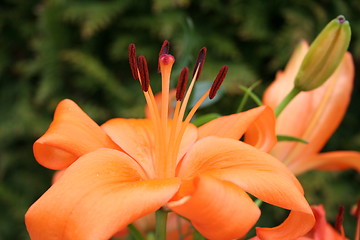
{"type": "Point", "coordinates": [324, 55]}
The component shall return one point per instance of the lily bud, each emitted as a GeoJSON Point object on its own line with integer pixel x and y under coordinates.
{"type": "Point", "coordinates": [324, 55]}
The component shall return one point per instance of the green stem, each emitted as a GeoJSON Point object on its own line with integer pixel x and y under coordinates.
{"type": "Point", "coordinates": [135, 233]}
{"type": "Point", "coordinates": [286, 101]}
{"type": "Point", "coordinates": [161, 218]}
{"type": "Point", "coordinates": [258, 202]}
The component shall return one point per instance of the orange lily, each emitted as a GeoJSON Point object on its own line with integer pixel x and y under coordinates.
{"type": "Point", "coordinates": [312, 116]}
{"type": "Point", "coordinates": [125, 169]}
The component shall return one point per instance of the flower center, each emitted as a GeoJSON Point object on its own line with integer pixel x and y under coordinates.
{"type": "Point", "coordinates": [168, 133]}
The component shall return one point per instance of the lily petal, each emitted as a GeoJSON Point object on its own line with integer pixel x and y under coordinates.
{"type": "Point", "coordinates": [214, 153]}
{"type": "Point", "coordinates": [98, 194]}
{"type": "Point", "coordinates": [289, 227]}
{"type": "Point", "coordinates": [284, 80]}
{"type": "Point", "coordinates": [257, 123]}
{"type": "Point", "coordinates": [71, 134]}
{"type": "Point", "coordinates": [211, 203]}
{"type": "Point", "coordinates": [329, 161]}
{"type": "Point", "coordinates": [136, 138]}
{"type": "Point", "coordinates": [255, 172]}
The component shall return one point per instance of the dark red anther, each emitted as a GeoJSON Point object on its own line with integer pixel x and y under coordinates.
{"type": "Point", "coordinates": [144, 73]}
{"type": "Point", "coordinates": [132, 61]}
{"type": "Point", "coordinates": [339, 220]}
{"type": "Point", "coordinates": [182, 83]}
{"type": "Point", "coordinates": [218, 81]}
{"type": "Point", "coordinates": [199, 62]}
{"type": "Point", "coordinates": [164, 50]}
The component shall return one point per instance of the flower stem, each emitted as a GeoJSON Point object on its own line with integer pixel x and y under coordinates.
{"type": "Point", "coordinates": [161, 218]}
{"type": "Point", "coordinates": [293, 93]}
{"type": "Point", "coordinates": [135, 233]}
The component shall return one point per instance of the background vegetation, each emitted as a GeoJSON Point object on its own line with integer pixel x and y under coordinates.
{"type": "Point", "coordinates": [56, 49]}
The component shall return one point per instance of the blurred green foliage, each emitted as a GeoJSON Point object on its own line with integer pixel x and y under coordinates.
{"type": "Point", "coordinates": [55, 49]}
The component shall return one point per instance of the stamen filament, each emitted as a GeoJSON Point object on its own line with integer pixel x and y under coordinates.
{"type": "Point", "coordinates": [155, 119]}
{"type": "Point", "coordinates": [173, 131]}
{"type": "Point", "coordinates": [184, 125]}
{"type": "Point", "coordinates": [187, 96]}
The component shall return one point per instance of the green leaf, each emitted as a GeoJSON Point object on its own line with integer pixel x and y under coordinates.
{"type": "Point", "coordinates": [205, 118]}
{"type": "Point", "coordinates": [282, 138]}
{"type": "Point", "coordinates": [252, 95]}
{"type": "Point", "coordinates": [246, 96]}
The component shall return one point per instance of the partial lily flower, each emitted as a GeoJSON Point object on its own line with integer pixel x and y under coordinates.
{"type": "Point", "coordinates": [312, 116]}
{"type": "Point", "coordinates": [126, 169]}
{"type": "Point", "coordinates": [322, 230]}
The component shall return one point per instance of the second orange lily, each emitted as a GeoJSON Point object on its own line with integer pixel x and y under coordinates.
{"type": "Point", "coordinates": [312, 116]}
{"type": "Point", "coordinates": [127, 168]}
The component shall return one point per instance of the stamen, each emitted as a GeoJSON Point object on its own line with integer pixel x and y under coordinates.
{"type": "Point", "coordinates": [199, 63]}
{"type": "Point", "coordinates": [132, 61]}
{"type": "Point", "coordinates": [182, 83]}
{"type": "Point", "coordinates": [163, 50]}
{"type": "Point", "coordinates": [218, 81]}
{"type": "Point", "coordinates": [144, 73]}
{"type": "Point", "coordinates": [339, 220]}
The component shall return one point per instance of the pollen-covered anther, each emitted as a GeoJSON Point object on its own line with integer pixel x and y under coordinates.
{"type": "Point", "coordinates": [182, 83]}
{"type": "Point", "coordinates": [218, 81]}
{"type": "Point", "coordinates": [199, 63]}
{"type": "Point", "coordinates": [144, 73]}
{"type": "Point", "coordinates": [132, 61]}
{"type": "Point", "coordinates": [166, 59]}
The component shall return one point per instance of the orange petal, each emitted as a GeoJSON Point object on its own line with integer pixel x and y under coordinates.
{"type": "Point", "coordinates": [57, 175]}
{"type": "Point", "coordinates": [218, 209]}
{"type": "Point", "coordinates": [329, 161]}
{"type": "Point", "coordinates": [71, 135]}
{"type": "Point", "coordinates": [214, 153]}
{"type": "Point", "coordinates": [98, 194]}
{"type": "Point", "coordinates": [258, 123]}
{"type": "Point", "coordinates": [255, 172]}
{"type": "Point", "coordinates": [316, 114]}
{"type": "Point", "coordinates": [284, 80]}
{"type": "Point", "coordinates": [136, 137]}
{"type": "Point", "coordinates": [298, 223]}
